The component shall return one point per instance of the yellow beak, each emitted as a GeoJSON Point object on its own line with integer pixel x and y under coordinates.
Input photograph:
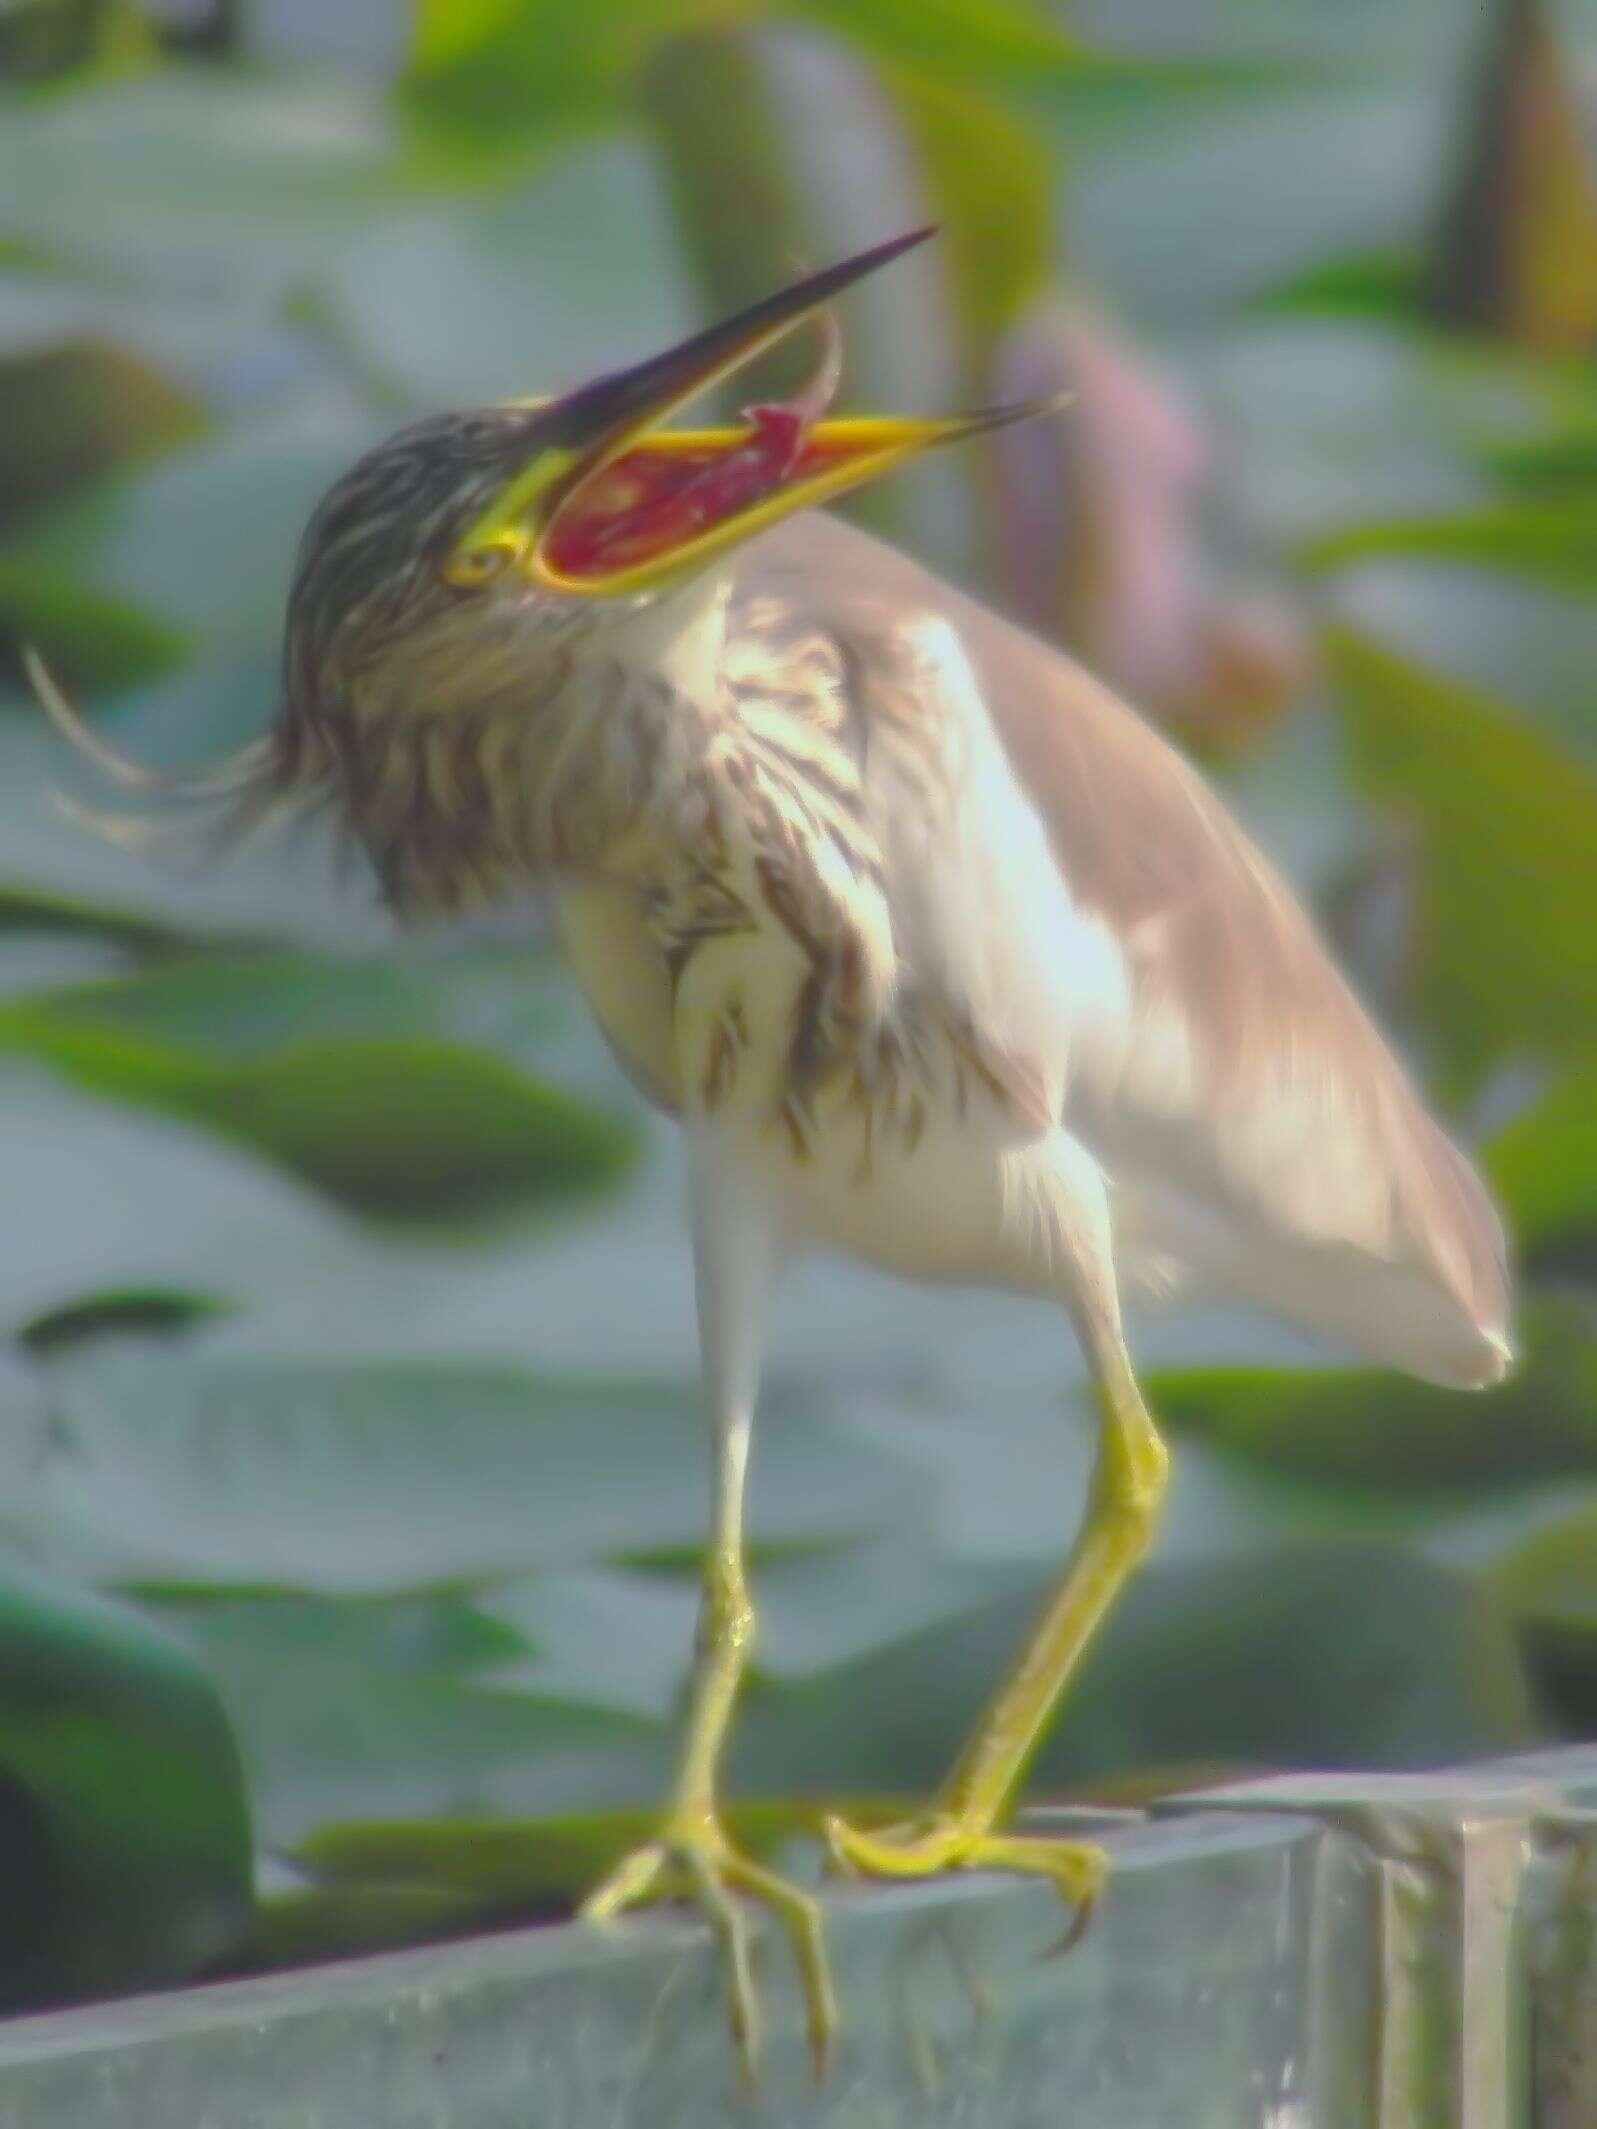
{"type": "Point", "coordinates": [611, 502]}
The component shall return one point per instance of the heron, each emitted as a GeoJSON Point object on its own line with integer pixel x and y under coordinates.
{"type": "Point", "coordinates": [940, 956]}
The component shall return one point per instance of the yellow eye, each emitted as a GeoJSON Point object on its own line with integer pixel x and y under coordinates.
{"type": "Point", "coordinates": [470, 568]}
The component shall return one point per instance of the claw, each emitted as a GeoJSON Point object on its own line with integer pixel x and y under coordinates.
{"type": "Point", "coordinates": [699, 1860]}
{"type": "Point", "coordinates": [922, 1847]}
{"type": "Point", "coordinates": [802, 1915]}
{"type": "Point", "coordinates": [732, 1927]}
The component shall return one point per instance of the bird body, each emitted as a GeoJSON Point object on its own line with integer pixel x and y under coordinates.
{"type": "Point", "coordinates": [842, 854]}
{"type": "Point", "coordinates": [942, 957]}
{"type": "Point", "coordinates": [1135, 970]}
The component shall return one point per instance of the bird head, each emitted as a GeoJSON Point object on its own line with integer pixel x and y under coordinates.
{"type": "Point", "coordinates": [466, 555]}
{"type": "Point", "coordinates": [564, 505]}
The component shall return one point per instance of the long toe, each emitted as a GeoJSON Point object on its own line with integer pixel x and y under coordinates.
{"type": "Point", "coordinates": [698, 1862]}
{"type": "Point", "coordinates": [926, 1846]}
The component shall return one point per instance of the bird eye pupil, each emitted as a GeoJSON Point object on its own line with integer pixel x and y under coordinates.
{"type": "Point", "coordinates": [479, 565]}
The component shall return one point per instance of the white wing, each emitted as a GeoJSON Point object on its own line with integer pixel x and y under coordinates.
{"type": "Point", "coordinates": [1126, 941]}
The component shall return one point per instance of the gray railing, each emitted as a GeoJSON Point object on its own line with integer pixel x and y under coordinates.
{"type": "Point", "coordinates": [1308, 1952]}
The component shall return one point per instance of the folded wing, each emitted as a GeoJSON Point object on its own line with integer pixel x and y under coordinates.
{"type": "Point", "coordinates": [1262, 1140]}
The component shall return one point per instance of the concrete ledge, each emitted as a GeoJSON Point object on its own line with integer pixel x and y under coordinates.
{"type": "Point", "coordinates": [1304, 1953]}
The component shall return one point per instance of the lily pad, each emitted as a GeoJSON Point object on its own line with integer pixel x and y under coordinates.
{"type": "Point", "coordinates": [77, 408]}
{"type": "Point", "coordinates": [123, 1832]}
{"type": "Point", "coordinates": [515, 999]}
{"type": "Point", "coordinates": [1549, 1583]}
{"type": "Point", "coordinates": [398, 1130]}
{"type": "Point", "coordinates": [24, 909]}
{"type": "Point", "coordinates": [1330, 1655]}
{"type": "Point", "coordinates": [313, 1924]}
{"type": "Point", "coordinates": [350, 1707]}
{"type": "Point", "coordinates": [1368, 1428]}
{"type": "Point", "coordinates": [541, 1866]}
{"type": "Point", "coordinates": [187, 1469]}
{"type": "Point", "coordinates": [92, 638]}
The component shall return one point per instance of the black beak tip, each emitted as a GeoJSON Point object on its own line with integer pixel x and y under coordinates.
{"type": "Point", "coordinates": [846, 271]}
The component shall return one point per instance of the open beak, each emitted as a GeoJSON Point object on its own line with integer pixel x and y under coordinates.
{"type": "Point", "coordinates": [611, 501]}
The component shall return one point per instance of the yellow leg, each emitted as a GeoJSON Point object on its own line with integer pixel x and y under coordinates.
{"type": "Point", "coordinates": [1128, 1486]}
{"type": "Point", "coordinates": [956, 1833]}
{"type": "Point", "coordinates": [691, 1855]}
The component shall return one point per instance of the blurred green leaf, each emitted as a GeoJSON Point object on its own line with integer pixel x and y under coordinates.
{"type": "Point", "coordinates": [989, 184]}
{"type": "Point", "coordinates": [399, 1881]}
{"type": "Point", "coordinates": [311, 1926]}
{"type": "Point", "coordinates": [1522, 639]}
{"type": "Point", "coordinates": [1328, 420]}
{"type": "Point", "coordinates": [734, 175]}
{"type": "Point", "coordinates": [1381, 284]}
{"type": "Point", "coordinates": [623, 1637]}
{"type": "Point", "coordinates": [74, 409]}
{"type": "Point", "coordinates": [104, 1195]}
{"type": "Point", "coordinates": [370, 1706]}
{"type": "Point", "coordinates": [123, 1835]}
{"type": "Point", "coordinates": [1543, 1166]}
{"type": "Point", "coordinates": [814, 165]}
{"type": "Point", "coordinates": [444, 30]}
{"type": "Point", "coordinates": [524, 69]}
{"type": "Point", "coordinates": [184, 1468]}
{"type": "Point", "coordinates": [203, 541]}
{"type": "Point", "coordinates": [614, 1637]}
{"type": "Point", "coordinates": [1556, 539]}
{"type": "Point", "coordinates": [542, 1866]}
{"type": "Point", "coordinates": [25, 909]}
{"type": "Point", "coordinates": [410, 1130]}
{"type": "Point", "coordinates": [44, 39]}
{"type": "Point", "coordinates": [1561, 462]}
{"type": "Point", "coordinates": [139, 1310]}
{"type": "Point", "coordinates": [1549, 1583]}
{"type": "Point", "coordinates": [1553, 1575]}
{"type": "Point", "coordinates": [295, 885]}
{"type": "Point", "coordinates": [511, 999]}
{"type": "Point", "coordinates": [1502, 952]}
{"type": "Point", "coordinates": [91, 638]}
{"type": "Point", "coordinates": [528, 65]}
{"type": "Point", "coordinates": [1007, 40]}
{"type": "Point", "coordinates": [1366, 1427]}
{"type": "Point", "coordinates": [1180, 213]}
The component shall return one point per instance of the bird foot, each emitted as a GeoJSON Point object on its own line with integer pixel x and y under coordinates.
{"type": "Point", "coordinates": [922, 1847]}
{"type": "Point", "coordinates": [693, 1859]}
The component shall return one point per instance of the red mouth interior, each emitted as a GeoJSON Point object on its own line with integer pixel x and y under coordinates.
{"type": "Point", "coordinates": [651, 501]}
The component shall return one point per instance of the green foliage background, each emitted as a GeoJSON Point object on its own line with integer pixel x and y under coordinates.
{"type": "Point", "coordinates": [352, 1471]}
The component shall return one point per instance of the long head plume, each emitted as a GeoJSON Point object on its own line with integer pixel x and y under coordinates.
{"type": "Point", "coordinates": [199, 813]}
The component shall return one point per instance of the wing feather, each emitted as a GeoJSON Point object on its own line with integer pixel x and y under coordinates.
{"type": "Point", "coordinates": [1118, 927]}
